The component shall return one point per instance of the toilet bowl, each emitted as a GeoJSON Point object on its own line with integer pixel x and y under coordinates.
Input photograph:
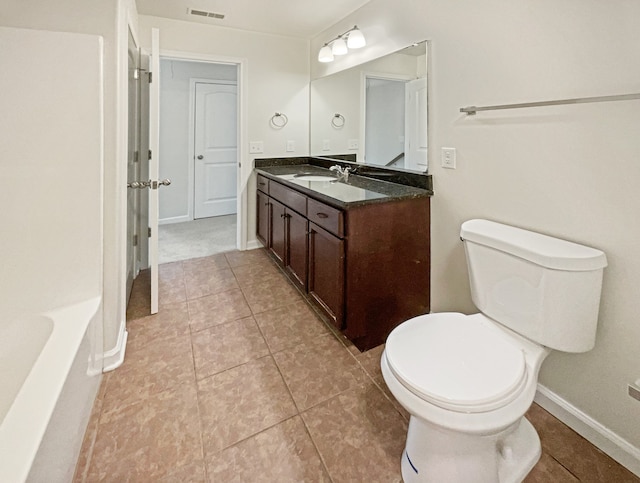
{"type": "Point", "coordinates": [468, 380]}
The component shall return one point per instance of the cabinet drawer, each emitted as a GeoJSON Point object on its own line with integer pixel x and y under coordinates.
{"type": "Point", "coordinates": [294, 200]}
{"type": "Point", "coordinates": [329, 218]}
{"type": "Point", "coordinates": [263, 184]}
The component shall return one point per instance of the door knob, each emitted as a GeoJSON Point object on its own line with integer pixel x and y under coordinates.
{"type": "Point", "coordinates": [200, 156]}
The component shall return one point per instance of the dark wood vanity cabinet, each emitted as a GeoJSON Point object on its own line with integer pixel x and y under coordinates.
{"type": "Point", "coordinates": [326, 273]}
{"type": "Point", "coordinates": [263, 215]}
{"type": "Point", "coordinates": [366, 267]}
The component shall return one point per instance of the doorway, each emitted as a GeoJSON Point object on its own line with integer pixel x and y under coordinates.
{"type": "Point", "coordinates": [199, 153]}
{"type": "Point", "coordinates": [384, 121]}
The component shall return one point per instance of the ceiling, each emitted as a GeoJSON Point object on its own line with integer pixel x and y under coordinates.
{"type": "Point", "coordinates": [295, 18]}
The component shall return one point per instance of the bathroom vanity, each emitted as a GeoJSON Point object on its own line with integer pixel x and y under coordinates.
{"type": "Point", "coordinates": [358, 248]}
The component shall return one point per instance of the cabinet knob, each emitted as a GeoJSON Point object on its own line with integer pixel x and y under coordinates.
{"type": "Point", "coordinates": [322, 215]}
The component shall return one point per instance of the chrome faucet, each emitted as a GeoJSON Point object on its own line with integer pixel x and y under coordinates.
{"type": "Point", "coordinates": [342, 172]}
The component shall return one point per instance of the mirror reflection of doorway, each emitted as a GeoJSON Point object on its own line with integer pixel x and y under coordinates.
{"type": "Point", "coordinates": [396, 122]}
{"type": "Point", "coordinates": [384, 122]}
{"type": "Point", "coordinates": [198, 152]}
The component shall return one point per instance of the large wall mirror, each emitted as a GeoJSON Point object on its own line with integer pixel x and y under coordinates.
{"type": "Point", "coordinates": [376, 111]}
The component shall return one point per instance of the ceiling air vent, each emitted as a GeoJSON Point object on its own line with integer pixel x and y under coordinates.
{"type": "Point", "coordinates": [202, 13]}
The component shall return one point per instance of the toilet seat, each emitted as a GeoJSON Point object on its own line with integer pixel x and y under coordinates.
{"type": "Point", "coordinates": [457, 362]}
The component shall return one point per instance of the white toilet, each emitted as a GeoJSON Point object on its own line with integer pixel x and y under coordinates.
{"type": "Point", "coordinates": [467, 380]}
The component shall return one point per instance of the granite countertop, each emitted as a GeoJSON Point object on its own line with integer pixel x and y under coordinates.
{"type": "Point", "coordinates": [341, 193]}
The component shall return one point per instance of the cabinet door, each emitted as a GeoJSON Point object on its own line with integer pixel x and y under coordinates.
{"type": "Point", "coordinates": [278, 235]}
{"type": "Point", "coordinates": [263, 212]}
{"type": "Point", "coordinates": [326, 272]}
{"type": "Point", "coordinates": [296, 255]}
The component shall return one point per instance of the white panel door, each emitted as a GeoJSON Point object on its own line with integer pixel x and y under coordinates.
{"type": "Point", "coordinates": [215, 149]}
{"type": "Point", "coordinates": [416, 125]}
{"type": "Point", "coordinates": [154, 147]}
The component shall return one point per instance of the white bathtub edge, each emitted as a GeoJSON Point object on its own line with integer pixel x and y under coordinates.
{"type": "Point", "coordinates": [17, 454]}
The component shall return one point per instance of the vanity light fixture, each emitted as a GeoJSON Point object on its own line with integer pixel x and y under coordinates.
{"type": "Point", "coordinates": [351, 39]}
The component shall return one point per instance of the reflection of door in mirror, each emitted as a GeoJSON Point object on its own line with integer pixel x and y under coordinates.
{"type": "Point", "coordinates": [384, 130]}
{"type": "Point", "coordinates": [415, 142]}
{"type": "Point", "coordinates": [377, 129]}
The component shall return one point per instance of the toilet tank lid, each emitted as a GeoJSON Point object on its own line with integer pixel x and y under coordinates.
{"type": "Point", "coordinates": [540, 249]}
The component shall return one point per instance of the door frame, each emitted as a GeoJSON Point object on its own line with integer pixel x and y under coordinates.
{"type": "Point", "coordinates": [244, 170]}
{"type": "Point", "coordinates": [192, 129]}
{"type": "Point", "coordinates": [362, 153]}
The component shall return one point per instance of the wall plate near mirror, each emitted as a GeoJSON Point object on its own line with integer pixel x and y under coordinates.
{"type": "Point", "coordinates": [375, 113]}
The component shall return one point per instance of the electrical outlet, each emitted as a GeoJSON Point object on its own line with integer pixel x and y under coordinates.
{"type": "Point", "coordinates": [291, 146]}
{"type": "Point", "coordinates": [353, 144]}
{"type": "Point", "coordinates": [256, 147]}
{"type": "Point", "coordinates": [326, 145]}
{"type": "Point", "coordinates": [448, 158]}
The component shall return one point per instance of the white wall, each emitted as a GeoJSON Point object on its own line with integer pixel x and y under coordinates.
{"type": "Point", "coordinates": [569, 171]}
{"type": "Point", "coordinates": [175, 97]}
{"type": "Point", "coordinates": [277, 81]}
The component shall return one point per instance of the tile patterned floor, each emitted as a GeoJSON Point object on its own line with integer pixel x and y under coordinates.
{"type": "Point", "coordinates": [238, 380]}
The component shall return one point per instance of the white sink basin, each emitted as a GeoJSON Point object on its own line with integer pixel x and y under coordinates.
{"type": "Point", "coordinates": [314, 177]}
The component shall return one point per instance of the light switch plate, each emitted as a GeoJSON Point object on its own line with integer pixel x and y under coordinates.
{"type": "Point", "coordinates": [291, 146]}
{"type": "Point", "coordinates": [326, 145]}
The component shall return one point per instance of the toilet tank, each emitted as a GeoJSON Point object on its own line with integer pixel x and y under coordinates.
{"type": "Point", "coordinates": [544, 288]}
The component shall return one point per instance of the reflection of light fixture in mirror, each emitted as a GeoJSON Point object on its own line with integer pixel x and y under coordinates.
{"type": "Point", "coordinates": [356, 39]}
{"type": "Point", "coordinates": [325, 54]}
{"type": "Point", "coordinates": [338, 46]}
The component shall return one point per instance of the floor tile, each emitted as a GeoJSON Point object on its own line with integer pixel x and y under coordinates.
{"type": "Point", "coordinates": [575, 453]}
{"type": "Point", "coordinates": [227, 345]}
{"type": "Point", "coordinates": [549, 470]}
{"type": "Point", "coordinates": [246, 257]}
{"type": "Point", "coordinates": [139, 304]}
{"type": "Point", "coordinates": [259, 271]}
{"type": "Point", "coordinates": [149, 440]}
{"type": "Point", "coordinates": [170, 271]}
{"type": "Point", "coordinates": [282, 453]}
{"type": "Point", "coordinates": [171, 321]}
{"type": "Point", "coordinates": [241, 402]}
{"type": "Point", "coordinates": [370, 360]}
{"type": "Point", "coordinates": [171, 292]}
{"type": "Point", "coordinates": [316, 371]}
{"type": "Point", "coordinates": [290, 325]}
{"type": "Point", "coordinates": [270, 294]}
{"type": "Point", "coordinates": [207, 264]}
{"type": "Point", "coordinates": [162, 365]}
{"type": "Point", "coordinates": [206, 282]}
{"type": "Point", "coordinates": [217, 309]}
{"type": "Point", "coordinates": [359, 435]}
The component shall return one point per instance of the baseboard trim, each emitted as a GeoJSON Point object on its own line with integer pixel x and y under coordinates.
{"type": "Point", "coordinates": [253, 244]}
{"type": "Point", "coordinates": [174, 219]}
{"type": "Point", "coordinates": [112, 359]}
{"type": "Point", "coordinates": [603, 438]}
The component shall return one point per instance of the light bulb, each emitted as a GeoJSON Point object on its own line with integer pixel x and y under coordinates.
{"type": "Point", "coordinates": [325, 54]}
{"type": "Point", "coordinates": [339, 47]}
{"type": "Point", "coordinates": [356, 39]}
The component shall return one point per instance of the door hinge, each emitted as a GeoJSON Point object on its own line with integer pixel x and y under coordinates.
{"type": "Point", "coordinates": [136, 156]}
{"type": "Point", "coordinates": [136, 74]}
{"type": "Point", "coordinates": [150, 77]}
{"type": "Point", "coordinates": [135, 240]}
{"type": "Point", "coordinates": [150, 155]}
{"type": "Point", "coordinates": [149, 232]}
